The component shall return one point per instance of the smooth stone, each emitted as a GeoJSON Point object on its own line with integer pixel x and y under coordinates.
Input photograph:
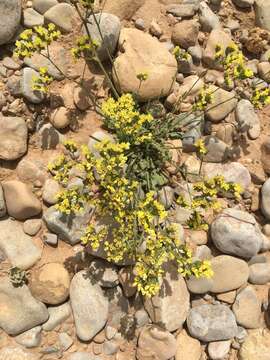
{"type": "Point", "coordinates": [208, 19]}
{"type": "Point", "coordinates": [32, 18]}
{"type": "Point", "coordinates": [103, 273]}
{"type": "Point", "coordinates": [50, 239]}
{"type": "Point", "coordinates": [141, 318]}
{"type": "Point", "coordinates": [57, 315]}
{"type": "Point", "coordinates": [30, 338]}
{"type": "Point", "coordinates": [11, 64]}
{"type": "Point", "coordinates": [32, 227]}
{"type": "Point", "coordinates": [187, 347]}
{"type": "Point", "coordinates": [215, 37]}
{"type": "Point", "coordinates": [50, 191]}
{"type": "Point", "coordinates": [43, 5]}
{"type": "Point", "coordinates": [222, 104]}
{"type": "Point", "coordinates": [265, 199]}
{"type": "Point", "coordinates": [49, 137]}
{"type": "Point", "coordinates": [27, 82]}
{"type": "Point", "coordinates": [228, 297]}
{"type": "Point", "coordinates": [17, 246]}
{"type": "Point", "coordinates": [118, 306]}
{"type": "Point", "coordinates": [13, 137]}
{"type": "Point", "coordinates": [62, 15]}
{"type": "Point", "coordinates": [10, 16]}
{"type": "Point", "coordinates": [181, 10]}
{"type": "Point", "coordinates": [98, 136]}
{"type": "Point", "coordinates": [124, 9]}
{"type": "Point", "coordinates": [89, 305]}
{"type": "Point", "coordinates": [211, 323]}
{"type": "Point", "coordinates": [219, 349]}
{"type": "Point", "coordinates": [217, 150]}
{"type": "Point", "coordinates": [22, 310]}
{"type": "Point", "coordinates": [262, 14]}
{"type": "Point", "coordinates": [246, 117]}
{"type": "Point", "coordinates": [61, 118]}
{"type": "Point", "coordinates": [30, 170]}
{"type": "Point", "coordinates": [185, 33]}
{"type": "Point", "coordinates": [65, 341]}
{"type": "Point", "coordinates": [259, 274]}
{"type": "Point", "coordinates": [16, 353]}
{"type": "Point", "coordinates": [256, 345]}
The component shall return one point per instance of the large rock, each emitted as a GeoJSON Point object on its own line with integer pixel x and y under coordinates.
{"type": "Point", "coordinates": [237, 233]}
{"type": "Point", "coordinates": [171, 305]}
{"type": "Point", "coordinates": [17, 246]}
{"type": "Point", "coordinates": [155, 343]}
{"type": "Point", "coordinates": [89, 306]}
{"type": "Point", "coordinates": [16, 353]}
{"type": "Point", "coordinates": [256, 345]}
{"type": "Point", "coordinates": [247, 308]}
{"type": "Point", "coordinates": [223, 102]}
{"type": "Point", "coordinates": [13, 137]}
{"type": "Point", "coordinates": [20, 310]}
{"type": "Point", "coordinates": [265, 199]}
{"type": "Point", "coordinates": [50, 283]}
{"type": "Point", "coordinates": [10, 16]}
{"type": "Point", "coordinates": [68, 228]}
{"type": "Point", "coordinates": [124, 9]}
{"type": "Point", "coordinates": [211, 323]}
{"type": "Point", "coordinates": [20, 201]}
{"type": "Point", "coordinates": [62, 15]}
{"type": "Point", "coordinates": [262, 14]}
{"type": "Point", "coordinates": [216, 37]}
{"type": "Point", "coordinates": [144, 53]}
{"type": "Point", "coordinates": [109, 26]}
{"type": "Point", "coordinates": [187, 347]}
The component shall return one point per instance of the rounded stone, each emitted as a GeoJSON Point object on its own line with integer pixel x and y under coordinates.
{"type": "Point", "coordinates": [60, 118]}
{"type": "Point", "coordinates": [10, 16]}
{"type": "Point", "coordinates": [259, 273]}
{"type": "Point", "coordinates": [32, 227]}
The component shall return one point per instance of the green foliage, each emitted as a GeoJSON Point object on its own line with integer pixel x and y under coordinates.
{"type": "Point", "coordinates": [43, 81]}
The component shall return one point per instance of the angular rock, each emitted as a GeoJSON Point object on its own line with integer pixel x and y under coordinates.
{"type": "Point", "coordinates": [109, 26]}
{"type": "Point", "coordinates": [27, 82]}
{"type": "Point", "coordinates": [62, 15]}
{"type": "Point", "coordinates": [124, 9]}
{"type": "Point", "coordinates": [223, 103]}
{"type": "Point", "coordinates": [187, 347]}
{"type": "Point", "coordinates": [211, 323]}
{"type": "Point", "coordinates": [237, 233]}
{"type": "Point", "coordinates": [17, 246]}
{"type": "Point", "coordinates": [89, 306]}
{"type": "Point", "coordinates": [43, 5]}
{"type": "Point", "coordinates": [57, 315]}
{"type": "Point", "coordinates": [142, 52]}
{"type": "Point", "coordinates": [22, 310]}
{"type": "Point", "coordinates": [10, 16]}
{"type": "Point", "coordinates": [20, 201]}
{"type": "Point", "coordinates": [259, 274]}
{"type": "Point", "coordinates": [185, 33]}
{"type": "Point", "coordinates": [171, 305]}
{"type": "Point", "coordinates": [16, 353]}
{"type": "Point", "coordinates": [256, 345]}
{"type": "Point", "coordinates": [247, 308]}
{"type": "Point", "coordinates": [13, 137]}
{"type": "Point", "coordinates": [30, 338]}
{"type": "Point", "coordinates": [262, 14]}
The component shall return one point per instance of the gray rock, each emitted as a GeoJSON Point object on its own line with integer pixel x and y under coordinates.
{"type": "Point", "coordinates": [110, 27]}
{"type": "Point", "coordinates": [65, 341]}
{"type": "Point", "coordinates": [49, 137]}
{"type": "Point", "coordinates": [219, 349]}
{"type": "Point", "coordinates": [193, 128]}
{"type": "Point", "coordinates": [196, 53]}
{"type": "Point", "coordinates": [265, 199]}
{"type": "Point", "coordinates": [62, 15]}
{"type": "Point", "coordinates": [203, 252]}
{"type": "Point", "coordinates": [9, 63]}
{"type": "Point", "coordinates": [16, 353]}
{"type": "Point", "coordinates": [32, 18]}
{"type": "Point", "coordinates": [10, 16]}
{"type": "Point", "coordinates": [30, 338]}
{"type": "Point", "coordinates": [68, 228]}
{"type": "Point", "coordinates": [27, 83]}
{"type": "Point", "coordinates": [247, 308]}
{"type": "Point", "coordinates": [139, 24]}
{"type": "Point", "coordinates": [141, 318]}
{"type": "Point", "coordinates": [246, 116]}
{"type": "Point", "coordinates": [50, 239]}
{"type": "Point", "coordinates": [31, 227]}
{"type": "Point", "coordinates": [217, 150]}
{"type": "Point", "coordinates": [243, 3]}
{"type": "Point", "coordinates": [17, 246]}
{"type": "Point", "coordinates": [3, 209]}
{"type": "Point", "coordinates": [110, 347]}
{"type": "Point", "coordinates": [50, 191]}
{"type": "Point", "coordinates": [259, 274]}
{"type": "Point", "coordinates": [22, 310]}
{"type": "Point", "coordinates": [199, 286]}
{"type": "Point", "coordinates": [104, 273]}
{"type": "Point", "coordinates": [181, 10]}
{"type": "Point", "coordinates": [43, 5]}
{"type": "Point", "coordinates": [13, 137]}
{"type": "Point", "coordinates": [211, 323]}
{"type": "Point", "coordinates": [57, 315]}
{"type": "Point", "coordinates": [262, 14]}
{"type": "Point", "coordinates": [99, 135]}
{"type": "Point", "coordinates": [118, 306]}
{"type": "Point", "coordinates": [208, 19]}
{"type": "Point", "coordinates": [89, 305]}
{"type": "Point", "coordinates": [237, 233]}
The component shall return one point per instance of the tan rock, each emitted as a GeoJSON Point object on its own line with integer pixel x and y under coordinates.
{"type": "Point", "coordinates": [223, 102]}
{"type": "Point", "coordinates": [265, 156]}
{"type": "Point", "coordinates": [126, 278]}
{"type": "Point", "coordinates": [185, 33]}
{"type": "Point", "coordinates": [81, 98]}
{"type": "Point", "coordinates": [16, 353]}
{"type": "Point", "coordinates": [144, 53]}
{"type": "Point", "coordinates": [187, 347]}
{"type": "Point", "coordinates": [50, 284]}
{"type": "Point", "coordinates": [20, 201]}
{"type": "Point", "coordinates": [124, 9]}
{"type": "Point", "coordinates": [256, 346]}
{"type": "Point", "coordinates": [216, 37]}
{"type": "Point", "coordinates": [227, 297]}
{"type": "Point", "coordinates": [191, 86]}
{"type": "Point", "coordinates": [61, 118]}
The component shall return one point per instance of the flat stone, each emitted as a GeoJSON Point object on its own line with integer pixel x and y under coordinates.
{"type": "Point", "coordinates": [57, 315]}
{"type": "Point", "coordinates": [17, 246]}
{"type": "Point", "coordinates": [223, 103]}
{"type": "Point", "coordinates": [30, 338]}
{"type": "Point", "coordinates": [9, 10]}
{"type": "Point", "coordinates": [181, 10]}
{"type": "Point", "coordinates": [32, 18]}
{"type": "Point", "coordinates": [62, 15]}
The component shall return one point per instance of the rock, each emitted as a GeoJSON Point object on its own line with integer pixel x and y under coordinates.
{"type": "Point", "coordinates": [246, 116]}
{"type": "Point", "coordinates": [32, 227]}
{"type": "Point", "coordinates": [217, 150]}
{"type": "Point", "coordinates": [50, 191]}
{"type": "Point", "coordinates": [31, 170]}
{"type": "Point", "coordinates": [99, 135]}
{"type": "Point", "coordinates": [18, 246]}
{"type": "Point", "coordinates": [118, 306]}
{"type": "Point", "coordinates": [196, 53]}
{"type": "Point", "coordinates": [223, 102]}
{"type": "Point", "coordinates": [22, 310]}
{"type": "Point", "coordinates": [141, 318]}
{"type": "Point", "coordinates": [30, 338]}
{"type": "Point", "coordinates": [109, 26]}
{"type": "Point", "coordinates": [262, 14]}
{"type": "Point", "coordinates": [219, 349]}
{"type": "Point", "coordinates": [155, 29]}
{"type": "Point", "coordinates": [155, 343]}
{"type": "Point", "coordinates": [27, 82]}
{"type": "Point", "coordinates": [193, 125]}
{"type": "Point", "coordinates": [43, 5]}
{"type": "Point", "coordinates": [203, 253]}
{"type": "Point", "coordinates": [62, 15]}
{"type": "Point", "coordinates": [139, 24]}
{"type": "Point", "coordinates": [13, 137]}
{"type": "Point", "coordinates": [247, 308]}
{"type": "Point", "coordinates": [259, 274]}
{"type": "Point", "coordinates": [166, 196]}
{"type": "Point", "coordinates": [110, 347]}
{"type": "Point", "coordinates": [61, 118]}
{"type": "Point", "coordinates": [89, 306]}
{"type": "Point", "coordinates": [103, 273]}
{"type": "Point", "coordinates": [256, 345]}
{"type": "Point", "coordinates": [20, 201]}
{"type": "Point", "coordinates": [124, 9]}
{"type": "Point", "coordinates": [265, 199]}
{"type": "Point", "coordinates": [265, 159]}
{"type": "Point", "coordinates": [10, 10]}
{"type": "Point", "coordinates": [227, 297]}
{"type": "Point", "coordinates": [3, 209]}
{"type": "Point", "coordinates": [243, 3]}
{"type": "Point", "coordinates": [82, 356]}
{"type": "Point", "coordinates": [181, 10]}
{"type": "Point", "coordinates": [199, 285]}
{"type": "Point", "coordinates": [126, 279]}
{"type": "Point", "coordinates": [171, 305]}
{"type": "Point", "coordinates": [81, 98]}
{"type": "Point", "coordinates": [50, 239]}
{"type": "Point", "coordinates": [185, 33]}
{"type": "Point", "coordinates": [208, 19]}
{"type": "Point", "coordinates": [142, 52]}
{"type": "Point", "coordinates": [11, 64]}
{"type": "Point", "coordinates": [215, 37]}
{"type": "Point", "coordinates": [187, 347]}
{"type": "Point", "coordinates": [236, 232]}
{"type": "Point", "coordinates": [67, 228]}
{"type": "Point", "coordinates": [263, 70]}
{"type": "Point", "coordinates": [192, 85]}
{"type": "Point", "coordinates": [32, 18]}
{"type": "Point", "coordinates": [233, 172]}
{"type": "Point", "coordinates": [65, 341]}
{"type": "Point", "coordinates": [49, 137]}
{"type": "Point", "coordinates": [57, 315]}
{"type": "Point", "coordinates": [16, 353]}
{"type": "Point", "coordinates": [50, 283]}
{"type": "Point", "coordinates": [211, 323]}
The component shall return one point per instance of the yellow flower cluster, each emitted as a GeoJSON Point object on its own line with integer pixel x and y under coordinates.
{"type": "Point", "coordinates": [181, 54]}
{"type": "Point", "coordinates": [85, 45]}
{"type": "Point", "coordinates": [70, 201]}
{"type": "Point", "coordinates": [200, 145]}
{"type": "Point", "coordinates": [87, 3]}
{"type": "Point", "coordinates": [60, 169]}
{"type": "Point", "coordinates": [35, 40]}
{"type": "Point", "coordinates": [94, 237]}
{"type": "Point", "coordinates": [205, 98]}
{"type": "Point", "coordinates": [260, 98]}
{"type": "Point", "coordinates": [142, 76]}
{"type": "Point", "coordinates": [42, 82]}
{"type": "Point", "coordinates": [122, 117]}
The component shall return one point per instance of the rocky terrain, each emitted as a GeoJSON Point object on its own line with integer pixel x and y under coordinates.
{"type": "Point", "coordinates": [76, 306]}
